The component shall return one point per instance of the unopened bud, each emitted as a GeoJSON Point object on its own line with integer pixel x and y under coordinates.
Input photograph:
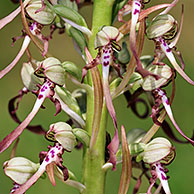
{"type": "Point", "coordinates": [45, 16]}
{"type": "Point", "coordinates": [160, 25]}
{"type": "Point", "coordinates": [82, 136]}
{"type": "Point", "coordinates": [62, 133]}
{"type": "Point", "coordinates": [20, 169]}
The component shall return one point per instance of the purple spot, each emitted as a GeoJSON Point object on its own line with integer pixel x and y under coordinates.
{"type": "Point", "coordinates": [42, 90]}
{"type": "Point", "coordinates": [40, 96]}
{"type": "Point", "coordinates": [164, 43]}
{"type": "Point", "coordinates": [163, 177]}
{"type": "Point", "coordinates": [59, 148]}
{"type": "Point", "coordinates": [167, 102]}
{"type": "Point", "coordinates": [161, 169]}
{"type": "Point", "coordinates": [135, 12]}
{"type": "Point", "coordinates": [47, 159]}
{"type": "Point", "coordinates": [168, 50]}
{"type": "Point", "coordinates": [46, 88]}
{"type": "Point", "coordinates": [105, 63]}
{"type": "Point", "coordinates": [106, 57]}
{"type": "Point", "coordinates": [156, 164]}
{"type": "Point", "coordinates": [138, 4]}
{"type": "Point", "coordinates": [105, 51]}
{"type": "Point", "coordinates": [52, 151]}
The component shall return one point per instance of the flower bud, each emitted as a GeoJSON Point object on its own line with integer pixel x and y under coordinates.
{"type": "Point", "coordinates": [135, 135]}
{"type": "Point", "coordinates": [82, 136]}
{"type": "Point", "coordinates": [45, 16]}
{"type": "Point", "coordinates": [30, 81]}
{"type": "Point", "coordinates": [160, 25]}
{"type": "Point", "coordinates": [81, 98]}
{"type": "Point", "coordinates": [150, 82]}
{"type": "Point", "coordinates": [106, 34]}
{"type": "Point", "coordinates": [20, 169]}
{"type": "Point", "coordinates": [157, 150]}
{"type": "Point", "coordinates": [68, 99]}
{"type": "Point", "coordinates": [63, 134]}
{"type": "Point", "coordinates": [52, 69]}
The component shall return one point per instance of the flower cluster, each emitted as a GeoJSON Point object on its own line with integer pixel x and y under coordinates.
{"type": "Point", "coordinates": [114, 65]}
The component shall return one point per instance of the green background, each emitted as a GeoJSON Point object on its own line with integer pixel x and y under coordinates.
{"type": "Point", "coordinates": [181, 171]}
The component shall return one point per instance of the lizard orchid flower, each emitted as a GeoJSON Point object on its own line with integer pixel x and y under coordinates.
{"type": "Point", "coordinates": [107, 41]}
{"type": "Point", "coordinates": [53, 73]}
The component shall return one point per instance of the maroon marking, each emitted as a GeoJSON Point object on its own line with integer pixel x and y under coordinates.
{"type": "Point", "coordinates": [161, 169]}
{"type": "Point", "coordinates": [42, 90]}
{"type": "Point", "coordinates": [47, 159]}
{"type": "Point", "coordinates": [106, 57]}
{"type": "Point", "coordinates": [135, 12]}
{"type": "Point", "coordinates": [40, 96]}
{"type": "Point", "coordinates": [168, 50]}
{"type": "Point", "coordinates": [59, 148]}
{"type": "Point", "coordinates": [105, 51]}
{"type": "Point", "coordinates": [109, 51]}
{"type": "Point", "coordinates": [138, 4]}
{"type": "Point", "coordinates": [163, 177]}
{"type": "Point", "coordinates": [105, 63]}
{"type": "Point", "coordinates": [164, 43]}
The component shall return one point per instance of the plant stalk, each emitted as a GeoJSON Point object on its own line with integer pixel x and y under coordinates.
{"type": "Point", "coordinates": [93, 160]}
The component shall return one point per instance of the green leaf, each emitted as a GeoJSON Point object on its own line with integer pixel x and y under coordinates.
{"type": "Point", "coordinates": [68, 99]}
{"type": "Point", "coordinates": [72, 69]}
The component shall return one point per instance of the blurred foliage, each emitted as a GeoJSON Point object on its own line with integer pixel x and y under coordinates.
{"type": "Point", "coordinates": [181, 170]}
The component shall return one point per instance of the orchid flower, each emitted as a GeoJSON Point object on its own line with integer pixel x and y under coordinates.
{"type": "Point", "coordinates": [106, 41]}
{"type": "Point", "coordinates": [46, 91]}
{"type": "Point", "coordinates": [162, 29]}
{"type": "Point", "coordinates": [162, 98]}
{"type": "Point", "coordinates": [52, 157]}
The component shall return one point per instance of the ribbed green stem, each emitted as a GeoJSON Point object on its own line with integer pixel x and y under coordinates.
{"type": "Point", "coordinates": [93, 175]}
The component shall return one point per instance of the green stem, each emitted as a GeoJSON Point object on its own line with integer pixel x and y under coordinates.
{"type": "Point", "coordinates": [93, 160]}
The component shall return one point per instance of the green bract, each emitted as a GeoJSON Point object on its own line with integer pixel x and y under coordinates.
{"type": "Point", "coordinates": [68, 99]}
{"type": "Point", "coordinates": [82, 136]}
{"type": "Point", "coordinates": [20, 169]}
{"type": "Point", "coordinates": [160, 25]}
{"type": "Point", "coordinates": [45, 16]}
{"type": "Point", "coordinates": [72, 69]}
